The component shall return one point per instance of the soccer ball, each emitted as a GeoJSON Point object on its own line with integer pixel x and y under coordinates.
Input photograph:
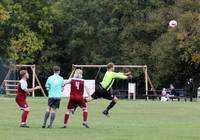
{"type": "Point", "coordinates": [173, 23]}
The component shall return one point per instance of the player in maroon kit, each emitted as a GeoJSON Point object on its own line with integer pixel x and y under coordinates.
{"type": "Point", "coordinates": [22, 92]}
{"type": "Point", "coordinates": [76, 98]}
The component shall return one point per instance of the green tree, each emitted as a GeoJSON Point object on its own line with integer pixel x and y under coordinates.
{"type": "Point", "coordinates": [4, 17]}
{"type": "Point", "coordinates": [25, 47]}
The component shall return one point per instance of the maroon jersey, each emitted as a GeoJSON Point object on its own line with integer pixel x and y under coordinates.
{"type": "Point", "coordinates": [21, 94]}
{"type": "Point", "coordinates": [77, 88]}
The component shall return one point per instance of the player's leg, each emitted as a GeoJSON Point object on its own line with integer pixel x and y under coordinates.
{"type": "Point", "coordinates": [47, 113]}
{"type": "Point", "coordinates": [95, 95]}
{"type": "Point", "coordinates": [114, 99]}
{"type": "Point", "coordinates": [25, 112]}
{"type": "Point", "coordinates": [112, 103]}
{"type": "Point", "coordinates": [69, 110]}
{"type": "Point", "coordinates": [89, 99]}
{"type": "Point", "coordinates": [83, 106]}
{"type": "Point", "coordinates": [46, 116]}
{"type": "Point", "coordinates": [85, 117]}
{"type": "Point", "coordinates": [54, 106]}
{"type": "Point", "coordinates": [52, 117]}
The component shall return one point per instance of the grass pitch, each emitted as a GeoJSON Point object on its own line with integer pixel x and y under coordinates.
{"type": "Point", "coordinates": [139, 120]}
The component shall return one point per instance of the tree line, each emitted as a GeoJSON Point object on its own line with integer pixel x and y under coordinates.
{"type": "Point", "coordinates": [66, 32]}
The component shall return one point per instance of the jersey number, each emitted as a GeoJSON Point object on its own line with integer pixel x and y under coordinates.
{"type": "Point", "coordinates": [77, 85]}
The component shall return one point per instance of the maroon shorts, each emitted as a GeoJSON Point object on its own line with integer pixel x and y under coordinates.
{"type": "Point", "coordinates": [75, 102]}
{"type": "Point", "coordinates": [22, 103]}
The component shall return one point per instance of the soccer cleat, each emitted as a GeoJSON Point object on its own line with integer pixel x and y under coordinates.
{"type": "Point", "coordinates": [73, 111]}
{"type": "Point", "coordinates": [49, 126]}
{"type": "Point", "coordinates": [85, 99]}
{"type": "Point", "coordinates": [43, 126]}
{"type": "Point", "coordinates": [106, 113]}
{"type": "Point", "coordinates": [24, 126]}
{"type": "Point", "coordinates": [64, 126]}
{"type": "Point", "coordinates": [86, 125]}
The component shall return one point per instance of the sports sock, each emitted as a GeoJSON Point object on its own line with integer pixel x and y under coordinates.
{"type": "Point", "coordinates": [85, 116]}
{"type": "Point", "coordinates": [66, 118]}
{"type": "Point", "coordinates": [24, 117]}
{"type": "Point", "coordinates": [46, 116]}
{"type": "Point", "coordinates": [112, 103]}
{"type": "Point", "coordinates": [53, 115]}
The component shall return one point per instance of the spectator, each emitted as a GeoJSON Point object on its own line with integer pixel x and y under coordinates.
{"type": "Point", "coordinates": [190, 88]}
{"type": "Point", "coordinates": [172, 89]}
{"type": "Point", "coordinates": [164, 97]}
{"type": "Point", "coordinates": [173, 92]}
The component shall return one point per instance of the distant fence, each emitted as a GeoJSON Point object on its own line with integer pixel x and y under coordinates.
{"type": "Point", "coordinates": [5, 73]}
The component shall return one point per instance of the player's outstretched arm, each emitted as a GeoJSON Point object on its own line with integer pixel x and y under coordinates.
{"type": "Point", "coordinates": [67, 81]}
{"type": "Point", "coordinates": [127, 73]}
{"type": "Point", "coordinates": [121, 75]}
{"type": "Point", "coordinates": [28, 90]}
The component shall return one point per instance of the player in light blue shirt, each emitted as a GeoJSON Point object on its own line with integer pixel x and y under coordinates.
{"type": "Point", "coordinates": [54, 85]}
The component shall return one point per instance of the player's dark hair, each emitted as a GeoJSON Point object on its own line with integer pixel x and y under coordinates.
{"type": "Point", "coordinates": [56, 68]}
{"type": "Point", "coordinates": [22, 73]}
{"type": "Point", "coordinates": [110, 65]}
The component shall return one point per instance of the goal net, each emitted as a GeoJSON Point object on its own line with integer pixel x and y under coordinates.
{"type": "Point", "coordinates": [121, 88]}
{"type": "Point", "coordinates": [5, 72]}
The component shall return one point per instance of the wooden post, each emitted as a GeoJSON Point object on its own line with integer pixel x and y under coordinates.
{"type": "Point", "coordinates": [6, 87]}
{"type": "Point", "coordinates": [38, 81]}
{"type": "Point", "coordinates": [33, 80]}
{"type": "Point", "coordinates": [146, 81]}
{"type": "Point", "coordinates": [151, 84]}
{"type": "Point", "coordinates": [104, 66]}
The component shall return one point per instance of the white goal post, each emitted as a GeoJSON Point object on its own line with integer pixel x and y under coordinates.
{"type": "Point", "coordinates": [144, 67]}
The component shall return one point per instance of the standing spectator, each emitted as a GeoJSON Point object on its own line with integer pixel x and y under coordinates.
{"type": "Point", "coordinates": [173, 92]}
{"type": "Point", "coordinates": [190, 88]}
{"type": "Point", "coordinates": [172, 89]}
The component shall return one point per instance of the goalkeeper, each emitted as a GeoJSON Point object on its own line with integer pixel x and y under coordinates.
{"type": "Point", "coordinates": [103, 90]}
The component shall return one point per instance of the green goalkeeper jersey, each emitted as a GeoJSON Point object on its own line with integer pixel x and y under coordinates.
{"type": "Point", "coordinates": [110, 77]}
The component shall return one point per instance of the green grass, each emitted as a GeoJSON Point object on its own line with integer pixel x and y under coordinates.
{"type": "Point", "coordinates": [139, 120]}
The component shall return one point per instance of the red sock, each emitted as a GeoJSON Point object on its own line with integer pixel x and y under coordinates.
{"type": "Point", "coordinates": [85, 116]}
{"type": "Point", "coordinates": [66, 118]}
{"type": "Point", "coordinates": [24, 116]}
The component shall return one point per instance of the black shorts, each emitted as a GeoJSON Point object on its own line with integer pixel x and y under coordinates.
{"type": "Point", "coordinates": [54, 103]}
{"type": "Point", "coordinates": [100, 92]}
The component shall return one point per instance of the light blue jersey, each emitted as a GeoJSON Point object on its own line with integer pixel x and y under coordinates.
{"type": "Point", "coordinates": [54, 86]}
